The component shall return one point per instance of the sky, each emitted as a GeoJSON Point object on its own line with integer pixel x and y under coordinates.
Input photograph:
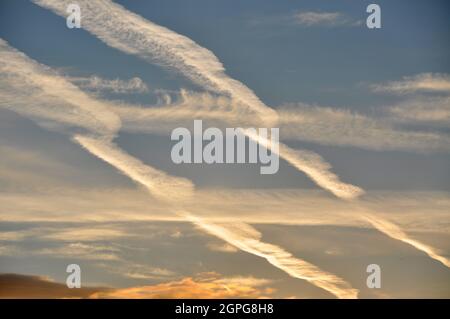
{"type": "Point", "coordinates": [86, 175]}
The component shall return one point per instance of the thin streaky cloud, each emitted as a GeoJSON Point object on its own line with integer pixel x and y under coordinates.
{"type": "Point", "coordinates": [181, 109]}
{"type": "Point", "coordinates": [341, 127]}
{"type": "Point", "coordinates": [275, 255]}
{"type": "Point", "coordinates": [330, 19]}
{"type": "Point", "coordinates": [396, 232]}
{"type": "Point", "coordinates": [63, 87]}
{"type": "Point", "coordinates": [423, 82]}
{"type": "Point", "coordinates": [413, 212]}
{"type": "Point", "coordinates": [102, 122]}
{"type": "Point", "coordinates": [97, 83]}
{"type": "Point", "coordinates": [200, 65]}
{"type": "Point", "coordinates": [128, 32]}
{"type": "Point", "coordinates": [36, 91]}
{"type": "Point", "coordinates": [160, 184]}
{"type": "Point", "coordinates": [120, 162]}
{"type": "Point", "coordinates": [299, 121]}
{"type": "Point", "coordinates": [434, 111]}
{"type": "Point", "coordinates": [202, 285]}
{"type": "Point", "coordinates": [133, 270]}
{"type": "Point", "coordinates": [132, 34]}
{"type": "Point", "coordinates": [224, 248]}
{"type": "Point", "coordinates": [248, 239]}
{"type": "Point", "coordinates": [313, 166]}
{"type": "Point", "coordinates": [167, 187]}
{"type": "Point", "coordinates": [80, 251]}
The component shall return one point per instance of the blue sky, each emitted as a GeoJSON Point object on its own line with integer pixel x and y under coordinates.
{"type": "Point", "coordinates": [373, 104]}
{"type": "Point", "coordinates": [312, 64]}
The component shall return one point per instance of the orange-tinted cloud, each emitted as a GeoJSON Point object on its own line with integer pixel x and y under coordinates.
{"type": "Point", "coordinates": [205, 285]}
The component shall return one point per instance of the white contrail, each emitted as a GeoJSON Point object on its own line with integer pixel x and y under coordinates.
{"type": "Point", "coordinates": [171, 190]}
{"type": "Point", "coordinates": [313, 166]}
{"type": "Point", "coordinates": [60, 101]}
{"type": "Point", "coordinates": [319, 171]}
{"type": "Point", "coordinates": [130, 33]}
{"type": "Point", "coordinates": [197, 63]}
{"type": "Point", "coordinates": [317, 124]}
{"type": "Point", "coordinates": [160, 184]}
{"type": "Point", "coordinates": [247, 239]}
{"type": "Point", "coordinates": [396, 232]}
{"type": "Point", "coordinates": [34, 90]}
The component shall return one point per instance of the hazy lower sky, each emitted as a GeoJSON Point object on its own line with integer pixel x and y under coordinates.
{"type": "Point", "coordinates": [86, 175]}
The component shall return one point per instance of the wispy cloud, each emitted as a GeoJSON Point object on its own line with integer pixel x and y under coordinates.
{"type": "Point", "coordinates": [330, 126]}
{"type": "Point", "coordinates": [299, 121]}
{"type": "Point", "coordinates": [160, 184]}
{"type": "Point", "coordinates": [423, 82]}
{"type": "Point", "coordinates": [134, 270]}
{"type": "Point", "coordinates": [206, 285]}
{"type": "Point", "coordinates": [36, 91]}
{"type": "Point", "coordinates": [426, 211]}
{"type": "Point", "coordinates": [425, 110]}
{"type": "Point", "coordinates": [86, 234]}
{"type": "Point", "coordinates": [82, 251]}
{"type": "Point", "coordinates": [167, 187]}
{"type": "Point", "coordinates": [224, 248]}
{"type": "Point", "coordinates": [203, 285]}
{"type": "Point", "coordinates": [96, 83]}
{"type": "Point", "coordinates": [130, 33]}
{"type": "Point", "coordinates": [186, 56]}
{"type": "Point", "coordinates": [329, 19]}
{"type": "Point", "coordinates": [396, 232]}
{"type": "Point", "coordinates": [248, 239]}
{"type": "Point", "coordinates": [314, 167]}
{"type": "Point", "coordinates": [8, 250]}
{"type": "Point", "coordinates": [134, 35]}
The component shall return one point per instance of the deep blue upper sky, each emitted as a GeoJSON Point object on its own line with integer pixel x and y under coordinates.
{"type": "Point", "coordinates": [282, 62]}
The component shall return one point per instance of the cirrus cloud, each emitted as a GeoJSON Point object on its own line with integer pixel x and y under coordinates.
{"type": "Point", "coordinates": [423, 82]}
{"type": "Point", "coordinates": [329, 19]}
